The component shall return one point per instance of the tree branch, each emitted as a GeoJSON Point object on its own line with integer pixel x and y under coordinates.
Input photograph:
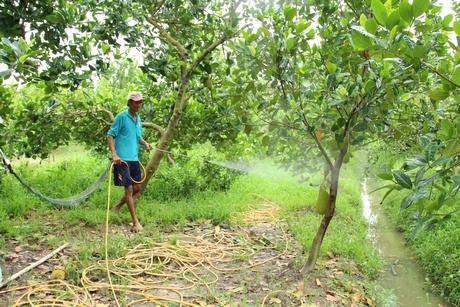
{"type": "Point", "coordinates": [205, 53]}
{"type": "Point", "coordinates": [430, 68]}
{"type": "Point", "coordinates": [194, 92]}
{"type": "Point", "coordinates": [109, 114]}
{"type": "Point", "coordinates": [183, 53]}
{"type": "Point", "coordinates": [158, 128]}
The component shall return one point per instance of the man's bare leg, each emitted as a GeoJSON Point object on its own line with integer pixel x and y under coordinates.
{"type": "Point", "coordinates": [130, 203]}
{"type": "Point", "coordinates": [119, 204]}
{"type": "Point", "coordinates": [122, 201]}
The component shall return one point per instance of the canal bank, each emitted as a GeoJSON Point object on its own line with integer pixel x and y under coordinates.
{"type": "Point", "coordinates": [401, 274]}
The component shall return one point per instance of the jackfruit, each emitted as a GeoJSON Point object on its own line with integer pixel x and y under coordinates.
{"type": "Point", "coordinates": [322, 201]}
{"type": "Point", "coordinates": [343, 145]}
{"type": "Point", "coordinates": [346, 158]}
{"type": "Point", "coordinates": [333, 145]}
{"type": "Point", "coordinates": [208, 84]}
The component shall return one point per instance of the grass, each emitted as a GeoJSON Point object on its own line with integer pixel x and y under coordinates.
{"type": "Point", "coordinates": [71, 170]}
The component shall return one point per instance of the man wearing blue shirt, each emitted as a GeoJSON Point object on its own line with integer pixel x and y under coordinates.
{"type": "Point", "coordinates": [123, 138]}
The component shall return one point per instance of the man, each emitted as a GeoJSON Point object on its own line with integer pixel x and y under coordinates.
{"type": "Point", "coordinates": [123, 138]}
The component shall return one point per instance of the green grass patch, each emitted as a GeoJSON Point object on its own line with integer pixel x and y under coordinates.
{"type": "Point", "coordinates": [32, 220]}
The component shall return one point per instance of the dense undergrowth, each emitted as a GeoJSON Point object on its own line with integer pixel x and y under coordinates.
{"type": "Point", "coordinates": [436, 249]}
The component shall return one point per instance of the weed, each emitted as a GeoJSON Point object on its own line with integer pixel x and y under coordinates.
{"type": "Point", "coordinates": [385, 297]}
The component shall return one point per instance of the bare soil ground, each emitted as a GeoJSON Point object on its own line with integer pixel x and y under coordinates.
{"type": "Point", "coordinates": [201, 265]}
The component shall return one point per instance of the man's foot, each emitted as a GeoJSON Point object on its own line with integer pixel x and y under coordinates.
{"type": "Point", "coordinates": [138, 228]}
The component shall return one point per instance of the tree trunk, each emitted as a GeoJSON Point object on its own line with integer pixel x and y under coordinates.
{"type": "Point", "coordinates": [182, 98]}
{"type": "Point", "coordinates": [167, 136]}
{"type": "Point", "coordinates": [318, 240]}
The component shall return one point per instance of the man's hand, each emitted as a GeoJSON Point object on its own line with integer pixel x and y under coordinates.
{"type": "Point", "coordinates": [116, 159]}
{"type": "Point", "coordinates": [148, 146]}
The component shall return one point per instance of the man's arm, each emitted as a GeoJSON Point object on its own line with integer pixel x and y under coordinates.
{"type": "Point", "coordinates": [115, 158]}
{"type": "Point", "coordinates": [144, 143]}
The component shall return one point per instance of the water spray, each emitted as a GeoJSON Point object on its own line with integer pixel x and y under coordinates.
{"type": "Point", "coordinates": [238, 166]}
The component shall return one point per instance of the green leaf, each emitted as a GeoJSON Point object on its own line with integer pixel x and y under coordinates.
{"type": "Point", "coordinates": [412, 163]}
{"type": "Point", "coordinates": [384, 73]}
{"type": "Point", "coordinates": [22, 58]}
{"type": "Point", "coordinates": [402, 179]}
{"type": "Point", "coordinates": [385, 176]}
{"type": "Point", "coordinates": [420, 174]}
{"type": "Point", "coordinates": [456, 27]}
{"type": "Point", "coordinates": [456, 75]}
{"type": "Point", "coordinates": [290, 43]}
{"type": "Point", "coordinates": [447, 20]}
{"type": "Point", "coordinates": [393, 33]}
{"type": "Point", "coordinates": [419, 7]}
{"type": "Point", "coordinates": [265, 140]}
{"type": "Point", "coordinates": [386, 195]}
{"type": "Point", "coordinates": [289, 12]}
{"type": "Point", "coordinates": [6, 42]}
{"type": "Point", "coordinates": [424, 28]}
{"type": "Point", "coordinates": [380, 11]}
{"type": "Point", "coordinates": [362, 20]}
{"type": "Point", "coordinates": [265, 31]}
{"type": "Point", "coordinates": [371, 25]}
{"type": "Point", "coordinates": [388, 186]}
{"type": "Point", "coordinates": [302, 26]}
{"type": "Point", "coordinates": [456, 179]}
{"type": "Point", "coordinates": [52, 18]}
{"type": "Point", "coordinates": [425, 140]}
{"type": "Point", "coordinates": [442, 160]}
{"type": "Point", "coordinates": [429, 180]}
{"type": "Point", "coordinates": [360, 127]}
{"type": "Point", "coordinates": [448, 127]}
{"type": "Point", "coordinates": [363, 31]}
{"type": "Point", "coordinates": [17, 49]}
{"type": "Point", "coordinates": [409, 199]}
{"type": "Point", "coordinates": [430, 225]}
{"type": "Point", "coordinates": [6, 73]}
{"type": "Point", "coordinates": [451, 148]}
{"type": "Point", "coordinates": [331, 67]}
{"type": "Point", "coordinates": [393, 19]}
{"type": "Point", "coordinates": [405, 11]}
{"type": "Point", "coordinates": [419, 51]}
{"type": "Point", "coordinates": [33, 53]}
{"type": "Point", "coordinates": [405, 97]}
{"type": "Point", "coordinates": [360, 41]}
{"type": "Point", "coordinates": [247, 129]}
{"type": "Point", "coordinates": [438, 95]}
{"type": "Point", "coordinates": [430, 151]}
{"type": "Point", "coordinates": [410, 43]}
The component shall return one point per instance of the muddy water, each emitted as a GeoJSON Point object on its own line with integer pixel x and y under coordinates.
{"type": "Point", "coordinates": [401, 273]}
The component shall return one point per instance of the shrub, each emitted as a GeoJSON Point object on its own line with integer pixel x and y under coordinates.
{"type": "Point", "coordinates": [194, 172]}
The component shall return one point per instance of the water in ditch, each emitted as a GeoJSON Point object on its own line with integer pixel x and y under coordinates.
{"type": "Point", "coordinates": [402, 276]}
